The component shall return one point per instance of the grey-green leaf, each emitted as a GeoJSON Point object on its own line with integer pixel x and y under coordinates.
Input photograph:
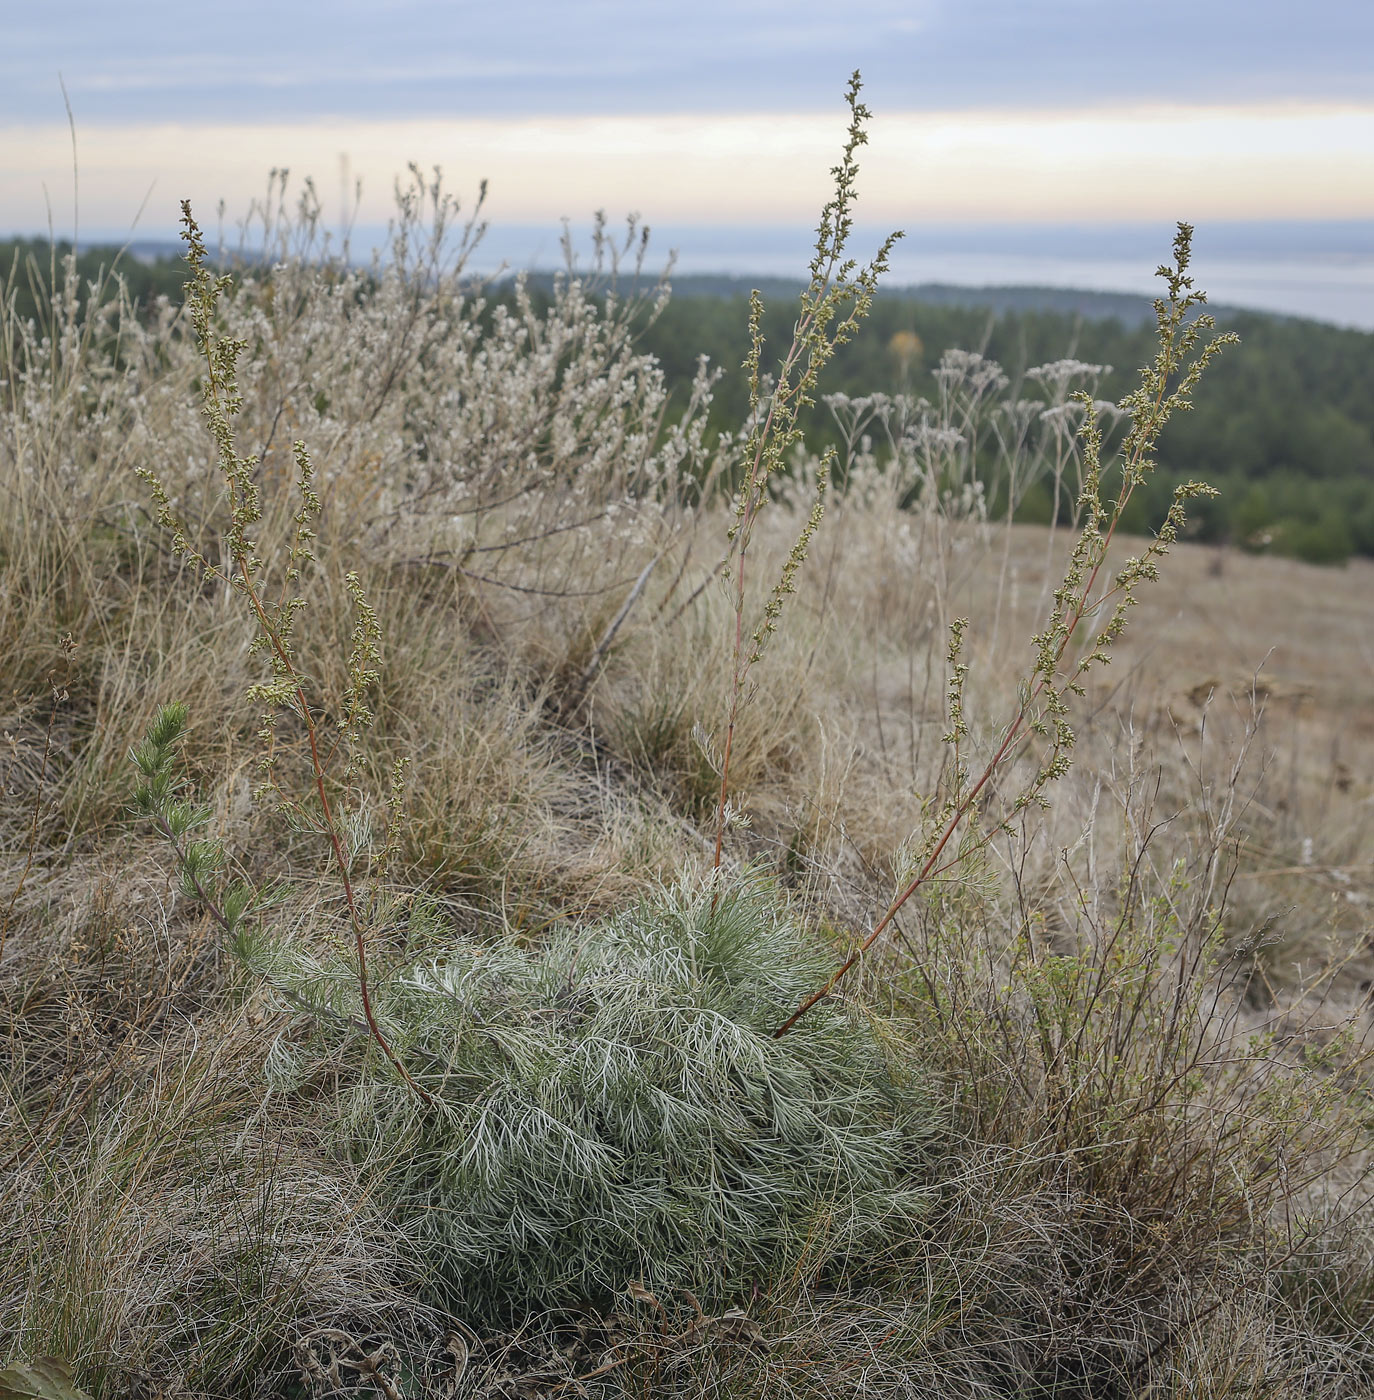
{"type": "Point", "coordinates": [43, 1378]}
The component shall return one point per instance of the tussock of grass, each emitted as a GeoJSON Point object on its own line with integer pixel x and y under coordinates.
{"type": "Point", "coordinates": [184, 1235]}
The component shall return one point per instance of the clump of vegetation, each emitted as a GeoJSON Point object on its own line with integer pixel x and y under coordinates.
{"type": "Point", "coordinates": [613, 1109]}
{"type": "Point", "coordinates": [581, 975]}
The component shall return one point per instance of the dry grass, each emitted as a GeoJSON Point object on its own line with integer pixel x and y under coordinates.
{"type": "Point", "coordinates": [1142, 1012]}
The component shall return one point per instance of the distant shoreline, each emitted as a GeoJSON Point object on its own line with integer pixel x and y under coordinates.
{"type": "Point", "coordinates": [1316, 271]}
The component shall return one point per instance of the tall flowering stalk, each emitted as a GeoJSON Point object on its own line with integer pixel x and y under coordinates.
{"type": "Point", "coordinates": [285, 690]}
{"type": "Point", "coordinates": [1186, 345]}
{"type": "Point", "coordinates": [837, 298]}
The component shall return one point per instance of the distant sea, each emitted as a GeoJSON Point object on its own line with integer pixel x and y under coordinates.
{"type": "Point", "coordinates": [1318, 269]}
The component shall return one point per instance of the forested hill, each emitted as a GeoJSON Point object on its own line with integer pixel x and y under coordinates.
{"type": "Point", "coordinates": [1073, 301]}
{"type": "Point", "coordinates": [1283, 426]}
{"type": "Point", "coordinates": [27, 267]}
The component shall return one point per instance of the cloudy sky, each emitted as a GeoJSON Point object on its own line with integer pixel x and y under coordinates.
{"type": "Point", "coordinates": [713, 114]}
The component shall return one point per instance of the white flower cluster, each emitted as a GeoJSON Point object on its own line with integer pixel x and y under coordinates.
{"type": "Point", "coordinates": [447, 414]}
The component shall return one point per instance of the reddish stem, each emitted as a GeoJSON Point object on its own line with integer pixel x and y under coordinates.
{"type": "Point", "coordinates": [752, 502]}
{"type": "Point", "coordinates": [283, 656]}
{"type": "Point", "coordinates": [1014, 735]}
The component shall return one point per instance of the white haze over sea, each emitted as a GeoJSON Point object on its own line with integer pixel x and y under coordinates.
{"type": "Point", "coordinates": [1321, 270]}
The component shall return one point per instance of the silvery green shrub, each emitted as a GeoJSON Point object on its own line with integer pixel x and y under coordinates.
{"type": "Point", "coordinates": [613, 1107]}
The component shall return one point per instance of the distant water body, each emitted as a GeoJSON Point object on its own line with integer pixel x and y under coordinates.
{"type": "Point", "coordinates": [1322, 270]}
{"type": "Point", "coordinates": [1318, 269]}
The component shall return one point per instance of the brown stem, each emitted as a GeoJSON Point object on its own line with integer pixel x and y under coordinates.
{"type": "Point", "coordinates": [752, 502]}
{"type": "Point", "coordinates": [736, 686]}
{"type": "Point", "coordinates": [1015, 734]}
{"type": "Point", "coordinates": [331, 829]}
{"type": "Point", "coordinates": [284, 660]}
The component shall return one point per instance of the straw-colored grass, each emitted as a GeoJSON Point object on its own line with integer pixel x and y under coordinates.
{"type": "Point", "coordinates": [388, 1066]}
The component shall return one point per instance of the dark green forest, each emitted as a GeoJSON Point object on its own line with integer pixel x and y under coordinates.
{"type": "Point", "coordinates": [28, 267]}
{"type": "Point", "coordinates": [1284, 426]}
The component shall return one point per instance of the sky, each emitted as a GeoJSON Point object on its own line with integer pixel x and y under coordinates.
{"type": "Point", "coordinates": [1014, 127]}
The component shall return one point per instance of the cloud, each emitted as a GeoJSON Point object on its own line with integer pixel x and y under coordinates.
{"type": "Point", "coordinates": [441, 59]}
{"type": "Point", "coordinates": [1107, 164]}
